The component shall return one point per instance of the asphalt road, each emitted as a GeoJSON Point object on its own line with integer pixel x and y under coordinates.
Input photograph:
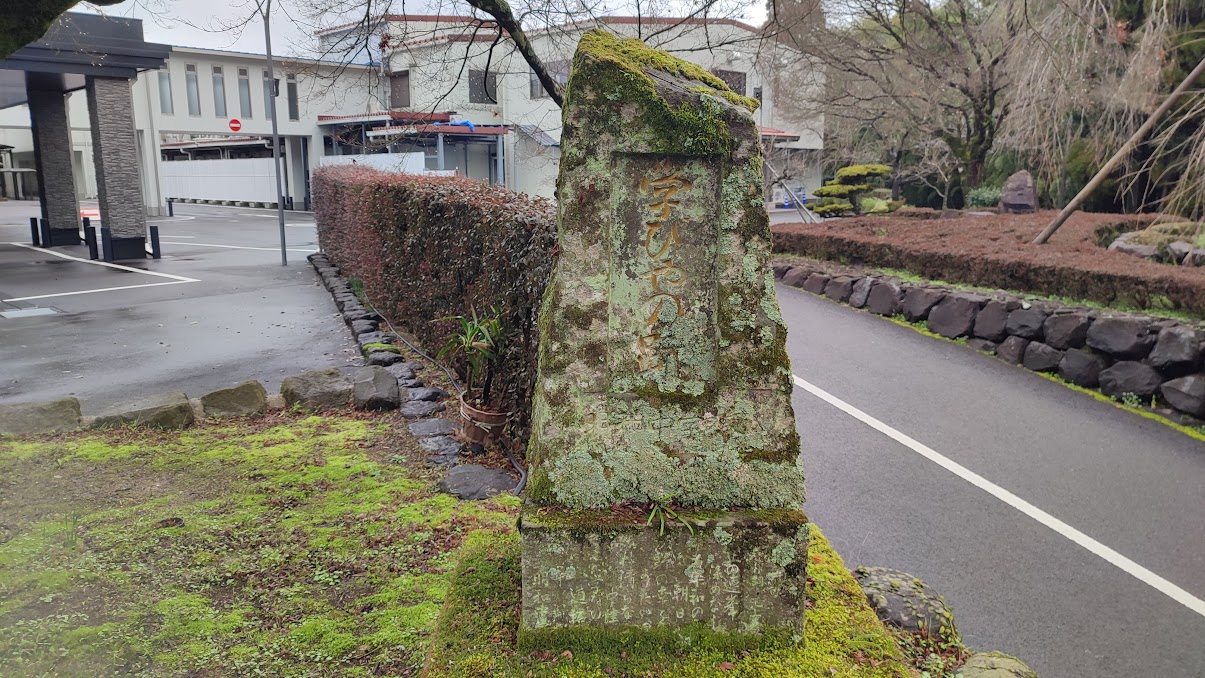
{"type": "Point", "coordinates": [1015, 584]}
{"type": "Point", "coordinates": [226, 311]}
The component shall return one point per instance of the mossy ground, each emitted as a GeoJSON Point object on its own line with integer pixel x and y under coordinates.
{"type": "Point", "coordinates": [285, 546]}
{"type": "Point", "coordinates": [477, 633]}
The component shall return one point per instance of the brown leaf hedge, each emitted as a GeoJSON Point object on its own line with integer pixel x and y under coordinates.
{"type": "Point", "coordinates": [429, 247]}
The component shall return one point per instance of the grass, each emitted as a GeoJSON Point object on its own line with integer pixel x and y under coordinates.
{"type": "Point", "coordinates": [477, 631]}
{"type": "Point", "coordinates": [285, 547]}
{"type": "Point", "coordinates": [291, 546]}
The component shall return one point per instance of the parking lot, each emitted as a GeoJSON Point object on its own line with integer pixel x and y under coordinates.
{"type": "Point", "coordinates": [216, 309]}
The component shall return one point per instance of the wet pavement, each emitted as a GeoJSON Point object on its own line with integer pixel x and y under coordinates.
{"type": "Point", "coordinates": [217, 309]}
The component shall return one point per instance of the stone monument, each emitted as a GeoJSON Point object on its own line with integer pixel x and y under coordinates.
{"type": "Point", "coordinates": [1019, 196]}
{"type": "Point", "coordinates": [665, 485]}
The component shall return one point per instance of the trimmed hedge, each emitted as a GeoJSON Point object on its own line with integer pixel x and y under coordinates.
{"type": "Point", "coordinates": [426, 248]}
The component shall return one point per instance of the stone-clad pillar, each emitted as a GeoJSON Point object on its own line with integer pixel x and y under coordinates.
{"type": "Point", "coordinates": [52, 157]}
{"type": "Point", "coordinates": [115, 152]}
{"type": "Point", "coordinates": [664, 479]}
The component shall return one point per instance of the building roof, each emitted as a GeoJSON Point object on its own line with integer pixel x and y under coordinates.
{"type": "Point", "coordinates": [279, 58]}
{"type": "Point", "coordinates": [426, 18]}
{"type": "Point", "coordinates": [451, 129]}
{"type": "Point", "coordinates": [541, 137]}
{"type": "Point", "coordinates": [782, 134]}
{"type": "Point", "coordinates": [384, 116]}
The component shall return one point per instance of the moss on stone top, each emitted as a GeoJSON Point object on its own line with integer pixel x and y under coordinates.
{"type": "Point", "coordinates": [635, 56]}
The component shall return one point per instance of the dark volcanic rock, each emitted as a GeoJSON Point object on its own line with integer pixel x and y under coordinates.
{"type": "Point", "coordinates": [1026, 323]}
{"type": "Point", "coordinates": [1125, 338]}
{"type": "Point", "coordinates": [990, 321]}
{"type": "Point", "coordinates": [1082, 368]}
{"type": "Point", "coordinates": [796, 276]}
{"type": "Point", "coordinates": [861, 292]}
{"type": "Point", "coordinates": [374, 388]}
{"type": "Point", "coordinates": [816, 283]}
{"type": "Point", "coordinates": [1129, 376]}
{"type": "Point", "coordinates": [471, 481]}
{"type": "Point", "coordinates": [426, 428]}
{"type": "Point", "coordinates": [383, 358]}
{"type": "Point", "coordinates": [1019, 194]}
{"type": "Point", "coordinates": [954, 316]}
{"type": "Point", "coordinates": [1012, 349]}
{"type": "Point", "coordinates": [884, 299]}
{"type": "Point", "coordinates": [780, 269]}
{"type": "Point", "coordinates": [1177, 351]}
{"type": "Point", "coordinates": [905, 602]}
{"type": "Point", "coordinates": [1041, 358]}
{"type": "Point", "coordinates": [918, 301]}
{"type": "Point", "coordinates": [416, 409]}
{"type": "Point", "coordinates": [1066, 330]}
{"type": "Point", "coordinates": [1186, 394]}
{"type": "Point", "coordinates": [839, 288]}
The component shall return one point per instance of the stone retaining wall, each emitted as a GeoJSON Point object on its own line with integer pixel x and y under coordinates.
{"type": "Point", "coordinates": [1128, 357]}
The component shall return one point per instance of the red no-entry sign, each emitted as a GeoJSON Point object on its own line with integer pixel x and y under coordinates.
{"type": "Point", "coordinates": [235, 125]}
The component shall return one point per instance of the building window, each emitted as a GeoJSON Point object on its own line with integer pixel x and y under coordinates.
{"type": "Point", "coordinates": [219, 92]}
{"type": "Point", "coordinates": [193, 89]}
{"type": "Point", "coordinates": [483, 87]}
{"type": "Point", "coordinates": [559, 70]}
{"type": "Point", "coordinates": [244, 93]}
{"type": "Point", "coordinates": [399, 89]}
{"type": "Point", "coordinates": [734, 79]}
{"type": "Point", "coordinates": [291, 90]}
{"type": "Point", "coordinates": [165, 93]}
{"type": "Point", "coordinates": [269, 92]}
{"type": "Point", "coordinates": [757, 93]}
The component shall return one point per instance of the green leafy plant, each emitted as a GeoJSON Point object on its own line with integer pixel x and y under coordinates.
{"type": "Point", "coordinates": [1131, 400]}
{"type": "Point", "coordinates": [659, 509]}
{"type": "Point", "coordinates": [477, 341]}
{"type": "Point", "coordinates": [984, 196]}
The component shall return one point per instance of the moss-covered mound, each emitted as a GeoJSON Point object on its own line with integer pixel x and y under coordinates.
{"type": "Point", "coordinates": [477, 630]}
{"type": "Point", "coordinates": [277, 547]}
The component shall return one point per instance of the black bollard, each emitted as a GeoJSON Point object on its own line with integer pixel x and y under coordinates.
{"type": "Point", "coordinates": [155, 252]}
{"type": "Point", "coordinates": [106, 241]}
{"type": "Point", "coordinates": [35, 233]}
{"type": "Point", "coordinates": [45, 226]}
{"type": "Point", "coordinates": [90, 240]}
{"type": "Point", "coordinates": [171, 208]}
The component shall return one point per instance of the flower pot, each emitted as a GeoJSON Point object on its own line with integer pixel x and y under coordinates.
{"type": "Point", "coordinates": [480, 426]}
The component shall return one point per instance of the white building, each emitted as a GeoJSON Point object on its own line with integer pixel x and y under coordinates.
{"type": "Point", "coordinates": [448, 97]}
{"type": "Point", "coordinates": [456, 64]}
{"type": "Point", "coordinates": [207, 114]}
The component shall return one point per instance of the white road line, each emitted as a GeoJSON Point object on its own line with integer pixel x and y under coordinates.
{"type": "Point", "coordinates": [102, 289]}
{"type": "Point", "coordinates": [238, 247]}
{"type": "Point", "coordinates": [190, 237]}
{"type": "Point", "coordinates": [177, 278]}
{"type": "Point", "coordinates": [169, 220]}
{"type": "Point", "coordinates": [1123, 563]}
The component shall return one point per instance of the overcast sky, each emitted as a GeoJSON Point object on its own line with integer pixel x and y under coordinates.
{"type": "Point", "coordinates": [200, 23]}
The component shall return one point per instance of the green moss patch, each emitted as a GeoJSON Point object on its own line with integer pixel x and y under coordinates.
{"type": "Point", "coordinates": [378, 346]}
{"type": "Point", "coordinates": [477, 632]}
{"type": "Point", "coordinates": [286, 546]}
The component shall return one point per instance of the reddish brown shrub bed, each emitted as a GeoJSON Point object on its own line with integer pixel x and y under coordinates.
{"type": "Point", "coordinates": [994, 251]}
{"type": "Point", "coordinates": [426, 248]}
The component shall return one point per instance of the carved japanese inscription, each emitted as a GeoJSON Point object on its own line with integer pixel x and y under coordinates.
{"type": "Point", "coordinates": [662, 306]}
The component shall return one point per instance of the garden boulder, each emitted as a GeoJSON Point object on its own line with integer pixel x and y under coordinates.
{"type": "Point", "coordinates": [54, 416]}
{"type": "Point", "coordinates": [1012, 349]}
{"type": "Point", "coordinates": [247, 399]}
{"type": "Point", "coordinates": [1026, 323]}
{"type": "Point", "coordinates": [918, 301]}
{"type": "Point", "coordinates": [374, 388]}
{"type": "Point", "coordinates": [1128, 377]}
{"type": "Point", "coordinates": [165, 410]}
{"type": "Point", "coordinates": [317, 390]}
{"type": "Point", "coordinates": [796, 276]}
{"type": "Point", "coordinates": [1040, 357]}
{"type": "Point", "coordinates": [995, 665]}
{"type": "Point", "coordinates": [1082, 368]}
{"type": "Point", "coordinates": [1186, 394]}
{"type": "Point", "coordinates": [1125, 338]}
{"type": "Point", "coordinates": [861, 292]}
{"type": "Point", "coordinates": [884, 299]}
{"type": "Point", "coordinates": [991, 320]}
{"type": "Point", "coordinates": [1177, 351]}
{"type": "Point", "coordinates": [1018, 194]}
{"type": "Point", "coordinates": [839, 289]}
{"type": "Point", "coordinates": [905, 602]}
{"type": "Point", "coordinates": [1066, 330]}
{"type": "Point", "coordinates": [471, 481]}
{"type": "Point", "coordinates": [954, 316]}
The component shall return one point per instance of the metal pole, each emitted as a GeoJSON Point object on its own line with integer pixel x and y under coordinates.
{"type": "Point", "coordinates": [266, 12]}
{"type": "Point", "coordinates": [803, 211]}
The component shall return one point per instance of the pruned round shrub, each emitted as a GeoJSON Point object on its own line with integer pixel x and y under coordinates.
{"type": "Point", "coordinates": [857, 173]}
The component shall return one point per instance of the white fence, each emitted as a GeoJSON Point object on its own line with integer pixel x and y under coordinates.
{"type": "Point", "coordinates": [249, 179]}
{"type": "Point", "coordinates": [411, 163]}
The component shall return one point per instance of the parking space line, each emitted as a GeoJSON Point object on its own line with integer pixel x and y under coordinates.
{"type": "Point", "coordinates": [177, 278]}
{"type": "Point", "coordinates": [102, 289]}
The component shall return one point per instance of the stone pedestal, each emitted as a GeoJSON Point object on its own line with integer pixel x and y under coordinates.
{"type": "Point", "coordinates": [663, 378]}
{"type": "Point", "coordinates": [115, 153]}
{"type": "Point", "coordinates": [739, 572]}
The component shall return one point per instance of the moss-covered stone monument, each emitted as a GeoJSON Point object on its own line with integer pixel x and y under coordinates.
{"type": "Point", "coordinates": [665, 484]}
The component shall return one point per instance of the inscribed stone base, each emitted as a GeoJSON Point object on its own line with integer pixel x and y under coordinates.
{"type": "Point", "coordinates": [739, 572]}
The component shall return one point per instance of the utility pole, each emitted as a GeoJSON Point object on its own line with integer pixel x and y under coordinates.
{"type": "Point", "coordinates": [265, 11]}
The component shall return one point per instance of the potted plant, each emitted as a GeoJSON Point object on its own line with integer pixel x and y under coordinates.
{"type": "Point", "coordinates": [477, 341]}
